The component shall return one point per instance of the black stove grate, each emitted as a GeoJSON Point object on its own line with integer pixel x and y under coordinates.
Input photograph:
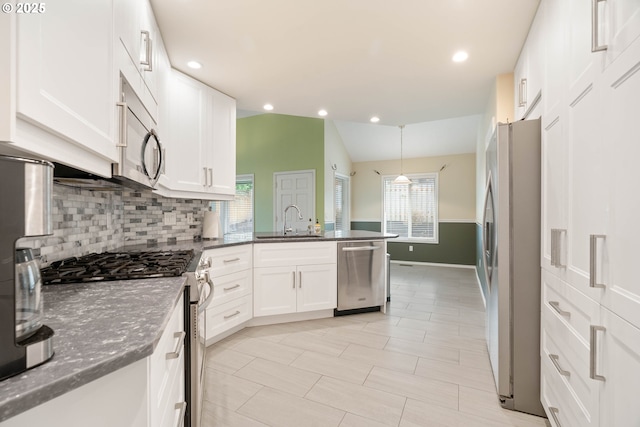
{"type": "Point", "coordinates": [117, 266]}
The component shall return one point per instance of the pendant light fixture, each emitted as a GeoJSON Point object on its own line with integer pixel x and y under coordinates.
{"type": "Point", "coordinates": [401, 179]}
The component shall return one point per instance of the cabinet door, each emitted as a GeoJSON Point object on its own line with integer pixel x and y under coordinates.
{"type": "Point", "coordinates": [185, 156]}
{"type": "Point", "coordinates": [618, 361]}
{"type": "Point", "coordinates": [622, 287]}
{"type": "Point", "coordinates": [623, 24]}
{"type": "Point", "coordinates": [554, 193]}
{"type": "Point", "coordinates": [222, 147]}
{"type": "Point", "coordinates": [519, 83]}
{"type": "Point", "coordinates": [317, 287]}
{"type": "Point", "coordinates": [127, 24]}
{"type": "Point", "coordinates": [274, 291]}
{"type": "Point", "coordinates": [65, 78]}
{"type": "Point", "coordinates": [555, 63]}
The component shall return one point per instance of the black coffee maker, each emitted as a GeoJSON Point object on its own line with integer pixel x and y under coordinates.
{"type": "Point", "coordinates": [25, 211]}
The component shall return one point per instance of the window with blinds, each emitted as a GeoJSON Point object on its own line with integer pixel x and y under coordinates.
{"type": "Point", "coordinates": [236, 216]}
{"type": "Point", "coordinates": [341, 193]}
{"type": "Point", "coordinates": [411, 211]}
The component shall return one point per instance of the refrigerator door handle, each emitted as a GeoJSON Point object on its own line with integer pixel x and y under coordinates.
{"type": "Point", "coordinates": [485, 229]}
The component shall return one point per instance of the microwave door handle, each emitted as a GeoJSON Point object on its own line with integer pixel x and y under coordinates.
{"type": "Point", "coordinates": [154, 179]}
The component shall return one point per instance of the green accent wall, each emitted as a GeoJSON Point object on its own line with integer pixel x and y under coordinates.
{"type": "Point", "coordinates": [366, 225]}
{"type": "Point", "coordinates": [457, 245]}
{"type": "Point", "coordinates": [269, 143]}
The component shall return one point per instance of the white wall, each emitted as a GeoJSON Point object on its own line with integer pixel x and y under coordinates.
{"type": "Point", "coordinates": [335, 154]}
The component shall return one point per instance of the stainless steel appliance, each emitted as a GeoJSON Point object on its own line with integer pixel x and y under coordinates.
{"type": "Point", "coordinates": [200, 288]}
{"type": "Point", "coordinates": [361, 276]}
{"type": "Point", "coordinates": [25, 192]}
{"type": "Point", "coordinates": [140, 152]}
{"type": "Point", "coordinates": [511, 260]}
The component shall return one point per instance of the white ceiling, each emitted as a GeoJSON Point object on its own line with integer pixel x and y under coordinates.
{"type": "Point", "coordinates": [356, 59]}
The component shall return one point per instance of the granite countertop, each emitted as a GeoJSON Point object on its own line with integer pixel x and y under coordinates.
{"type": "Point", "coordinates": [261, 237]}
{"type": "Point", "coordinates": [99, 328]}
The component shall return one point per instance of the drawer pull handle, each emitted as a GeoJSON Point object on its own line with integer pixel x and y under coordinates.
{"type": "Point", "coordinates": [231, 260]}
{"type": "Point", "coordinates": [556, 306]}
{"type": "Point", "coordinates": [555, 360]}
{"type": "Point", "coordinates": [593, 260]}
{"type": "Point", "coordinates": [300, 279]}
{"type": "Point", "coordinates": [232, 315]}
{"type": "Point", "coordinates": [182, 406]}
{"type": "Point", "coordinates": [554, 413]}
{"type": "Point", "coordinates": [179, 345]}
{"type": "Point", "coordinates": [595, 23]}
{"type": "Point", "coordinates": [556, 247]}
{"type": "Point", "coordinates": [593, 348]}
{"type": "Point", "coordinates": [236, 286]}
{"type": "Point", "coordinates": [293, 273]}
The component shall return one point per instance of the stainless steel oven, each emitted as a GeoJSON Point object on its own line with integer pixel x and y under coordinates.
{"type": "Point", "coordinates": [200, 288]}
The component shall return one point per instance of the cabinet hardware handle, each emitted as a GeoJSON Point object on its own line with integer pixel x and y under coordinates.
{"type": "Point", "coordinates": [595, 21]}
{"type": "Point", "coordinates": [232, 287]}
{"type": "Point", "coordinates": [179, 345]}
{"type": "Point", "coordinates": [522, 93]}
{"type": "Point", "coordinates": [231, 260]}
{"type": "Point", "coordinates": [556, 244]}
{"type": "Point", "coordinates": [593, 347]}
{"type": "Point", "coordinates": [232, 315]}
{"type": "Point", "coordinates": [210, 177]}
{"type": "Point", "coordinates": [148, 51]}
{"type": "Point", "coordinates": [555, 360]}
{"type": "Point", "coordinates": [556, 306]}
{"type": "Point", "coordinates": [300, 279]}
{"type": "Point", "coordinates": [182, 406]}
{"type": "Point", "coordinates": [554, 413]}
{"type": "Point", "coordinates": [123, 124]}
{"type": "Point", "coordinates": [206, 177]}
{"type": "Point", "coordinates": [293, 273]}
{"type": "Point", "coordinates": [593, 260]}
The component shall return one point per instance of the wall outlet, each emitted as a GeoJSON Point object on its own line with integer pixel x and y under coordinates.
{"type": "Point", "coordinates": [410, 248]}
{"type": "Point", "coordinates": [170, 218]}
{"type": "Point", "coordinates": [190, 218]}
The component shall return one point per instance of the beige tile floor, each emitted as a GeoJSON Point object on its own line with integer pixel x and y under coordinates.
{"type": "Point", "coordinates": [424, 363]}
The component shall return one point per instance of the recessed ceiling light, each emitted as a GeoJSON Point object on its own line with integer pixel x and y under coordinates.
{"type": "Point", "coordinates": [375, 119]}
{"type": "Point", "coordinates": [268, 107]}
{"type": "Point", "coordinates": [322, 113]}
{"type": "Point", "coordinates": [460, 56]}
{"type": "Point", "coordinates": [194, 64]}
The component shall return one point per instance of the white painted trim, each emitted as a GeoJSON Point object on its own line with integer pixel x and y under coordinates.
{"type": "Point", "coordinates": [433, 264]}
{"type": "Point", "coordinates": [462, 221]}
{"type": "Point", "coordinates": [275, 192]}
{"type": "Point", "coordinates": [292, 317]}
{"type": "Point", "coordinates": [366, 220]}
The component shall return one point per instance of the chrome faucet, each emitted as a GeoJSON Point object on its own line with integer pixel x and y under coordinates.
{"type": "Point", "coordinates": [288, 230]}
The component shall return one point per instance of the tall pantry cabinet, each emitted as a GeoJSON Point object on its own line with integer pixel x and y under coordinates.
{"type": "Point", "coordinates": [590, 340]}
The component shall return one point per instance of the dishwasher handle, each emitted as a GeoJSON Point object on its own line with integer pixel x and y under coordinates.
{"type": "Point", "coordinates": [361, 248]}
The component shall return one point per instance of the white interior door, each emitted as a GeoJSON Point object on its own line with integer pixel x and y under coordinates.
{"type": "Point", "coordinates": [295, 188]}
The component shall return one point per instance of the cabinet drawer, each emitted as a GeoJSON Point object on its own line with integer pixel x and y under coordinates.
{"type": "Point", "coordinates": [572, 307]}
{"type": "Point", "coordinates": [224, 317]}
{"type": "Point", "coordinates": [228, 260]}
{"type": "Point", "coordinates": [569, 356]}
{"type": "Point", "coordinates": [231, 286]}
{"type": "Point", "coordinates": [296, 253]}
{"type": "Point", "coordinates": [562, 408]}
{"type": "Point", "coordinates": [162, 365]}
{"type": "Point", "coordinates": [170, 408]}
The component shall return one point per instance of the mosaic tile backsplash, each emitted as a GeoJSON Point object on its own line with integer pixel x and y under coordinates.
{"type": "Point", "coordinates": [97, 220]}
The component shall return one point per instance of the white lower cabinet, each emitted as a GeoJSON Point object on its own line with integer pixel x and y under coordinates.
{"type": "Point", "coordinates": [146, 393]}
{"type": "Point", "coordinates": [230, 269]}
{"type": "Point", "coordinates": [294, 278]}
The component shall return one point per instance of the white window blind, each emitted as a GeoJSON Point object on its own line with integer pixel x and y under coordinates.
{"type": "Point", "coordinates": [341, 203]}
{"type": "Point", "coordinates": [236, 216]}
{"type": "Point", "coordinates": [411, 211]}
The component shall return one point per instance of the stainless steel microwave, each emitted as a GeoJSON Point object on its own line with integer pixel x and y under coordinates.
{"type": "Point", "coordinates": [140, 152]}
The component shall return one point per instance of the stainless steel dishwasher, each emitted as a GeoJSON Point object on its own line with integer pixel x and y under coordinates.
{"type": "Point", "coordinates": [361, 276]}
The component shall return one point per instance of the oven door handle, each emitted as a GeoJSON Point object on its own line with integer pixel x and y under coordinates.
{"type": "Point", "coordinates": [207, 279]}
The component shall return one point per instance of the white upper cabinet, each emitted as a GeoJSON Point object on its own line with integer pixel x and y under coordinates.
{"type": "Point", "coordinates": [199, 127]}
{"type": "Point", "coordinates": [529, 71]}
{"type": "Point", "coordinates": [138, 49]}
{"type": "Point", "coordinates": [64, 94]}
{"type": "Point", "coordinates": [619, 20]}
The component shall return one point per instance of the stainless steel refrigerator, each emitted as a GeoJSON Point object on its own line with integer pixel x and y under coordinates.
{"type": "Point", "coordinates": [511, 260]}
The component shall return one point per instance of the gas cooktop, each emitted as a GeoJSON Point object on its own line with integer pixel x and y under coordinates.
{"type": "Point", "coordinates": [117, 266]}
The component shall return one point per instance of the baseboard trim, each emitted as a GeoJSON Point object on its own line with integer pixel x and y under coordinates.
{"type": "Point", "coordinates": [434, 264]}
